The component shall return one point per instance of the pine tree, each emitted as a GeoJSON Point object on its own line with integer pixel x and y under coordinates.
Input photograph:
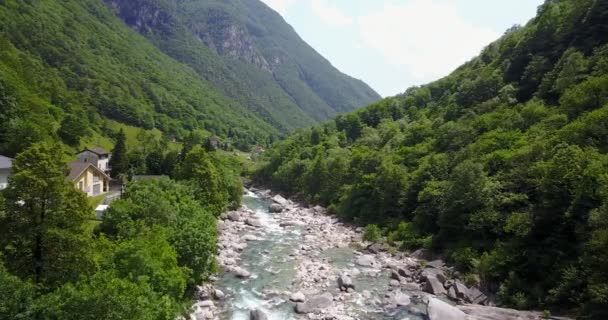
{"type": "Point", "coordinates": [119, 161]}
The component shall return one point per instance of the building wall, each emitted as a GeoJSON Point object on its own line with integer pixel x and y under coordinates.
{"type": "Point", "coordinates": [4, 174]}
{"type": "Point", "coordinates": [102, 162]}
{"type": "Point", "coordinates": [86, 183]}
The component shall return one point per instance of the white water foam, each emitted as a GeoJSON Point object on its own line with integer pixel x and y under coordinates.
{"type": "Point", "coordinates": [249, 301]}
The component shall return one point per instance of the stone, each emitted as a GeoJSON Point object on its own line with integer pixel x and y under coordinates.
{"type": "Point", "coordinates": [234, 216]}
{"type": "Point", "coordinates": [433, 273]}
{"type": "Point", "coordinates": [205, 304]}
{"type": "Point", "coordinates": [257, 314]}
{"type": "Point", "coordinates": [395, 275]}
{"type": "Point", "coordinates": [399, 298]}
{"type": "Point", "coordinates": [241, 273]}
{"type": "Point", "coordinates": [250, 237]}
{"type": "Point", "coordinates": [315, 304]}
{"type": "Point", "coordinates": [292, 223]}
{"type": "Point", "coordinates": [475, 296]}
{"type": "Point", "coordinates": [437, 264]}
{"type": "Point", "coordinates": [345, 282]}
{"type": "Point", "coordinates": [275, 208]}
{"type": "Point", "coordinates": [253, 222]}
{"type": "Point", "coordinates": [434, 286]}
{"type": "Point", "coordinates": [404, 272]}
{"type": "Point", "coordinates": [423, 254]}
{"type": "Point", "coordinates": [218, 294]}
{"type": "Point", "coordinates": [297, 297]}
{"type": "Point", "coordinates": [410, 286]}
{"type": "Point", "coordinates": [280, 200]}
{"type": "Point", "coordinates": [452, 293]}
{"type": "Point", "coordinates": [394, 283]}
{"type": "Point", "coordinates": [439, 310]}
{"type": "Point", "coordinates": [367, 261]}
{"type": "Point", "coordinates": [319, 209]}
{"type": "Point", "coordinates": [376, 248]}
{"type": "Point", "coordinates": [461, 290]}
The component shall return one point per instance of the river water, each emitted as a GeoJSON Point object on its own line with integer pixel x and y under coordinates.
{"type": "Point", "coordinates": [273, 265]}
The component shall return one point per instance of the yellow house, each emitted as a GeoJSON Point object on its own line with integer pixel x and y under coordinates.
{"type": "Point", "coordinates": [88, 178]}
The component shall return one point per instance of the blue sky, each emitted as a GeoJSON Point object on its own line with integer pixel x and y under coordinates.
{"type": "Point", "coordinates": [394, 44]}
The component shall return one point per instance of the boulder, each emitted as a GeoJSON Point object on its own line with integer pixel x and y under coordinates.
{"type": "Point", "coordinates": [257, 314]}
{"type": "Point", "coordinates": [315, 304]}
{"type": "Point", "coordinates": [395, 275]}
{"type": "Point", "coordinates": [275, 208]}
{"type": "Point", "coordinates": [367, 260]}
{"type": "Point", "coordinates": [437, 264]}
{"type": "Point", "coordinates": [345, 282]}
{"type": "Point", "coordinates": [297, 297]}
{"type": "Point", "coordinates": [475, 296]}
{"type": "Point", "coordinates": [376, 248]}
{"type": "Point", "coordinates": [439, 310]}
{"type": "Point", "coordinates": [249, 237]}
{"type": "Point", "coordinates": [434, 286]}
{"type": "Point", "coordinates": [319, 209]}
{"type": "Point", "coordinates": [234, 216]}
{"type": "Point", "coordinates": [253, 222]}
{"type": "Point", "coordinates": [433, 273]}
{"type": "Point", "coordinates": [405, 272]}
{"type": "Point", "coordinates": [421, 254]}
{"type": "Point", "coordinates": [241, 273]}
{"type": "Point", "coordinates": [280, 200]}
{"type": "Point", "coordinates": [460, 290]}
{"type": "Point", "coordinates": [218, 294]}
{"type": "Point", "coordinates": [399, 298]}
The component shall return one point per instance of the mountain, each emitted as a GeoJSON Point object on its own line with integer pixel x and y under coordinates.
{"type": "Point", "coordinates": [74, 70]}
{"type": "Point", "coordinates": [500, 166]}
{"type": "Point", "coordinates": [251, 54]}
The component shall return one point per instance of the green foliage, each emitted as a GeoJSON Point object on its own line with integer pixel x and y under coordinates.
{"type": "Point", "coordinates": [119, 162]}
{"type": "Point", "coordinates": [500, 165]}
{"type": "Point", "coordinates": [106, 296]}
{"type": "Point", "coordinates": [16, 297]}
{"type": "Point", "coordinates": [372, 233]}
{"type": "Point", "coordinates": [42, 236]}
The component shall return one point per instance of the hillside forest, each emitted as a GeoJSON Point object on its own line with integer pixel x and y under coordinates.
{"type": "Point", "coordinates": [501, 167]}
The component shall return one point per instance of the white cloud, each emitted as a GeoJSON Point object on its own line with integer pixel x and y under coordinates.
{"type": "Point", "coordinates": [281, 6]}
{"type": "Point", "coordinates": [427, 37]}
{"type": "Point", "coordinates": [330, 15]}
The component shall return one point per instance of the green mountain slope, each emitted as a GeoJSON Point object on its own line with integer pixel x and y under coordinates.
{"type": "Point", "coordinates": [75, 62]}
{"type": "Point", "coordinates": [501, 166]}
{"type": "Point", "coordinates": [251, 54]}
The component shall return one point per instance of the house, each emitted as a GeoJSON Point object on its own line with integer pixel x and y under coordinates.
{"type": "Point", "coordinates": [6, 168]}
{"type": "Point", "coordinates": [88, 178]}
{"type": "Point", "coordinates": [96, 156]}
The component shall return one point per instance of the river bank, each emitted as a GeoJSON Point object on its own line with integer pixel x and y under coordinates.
{"type": "Point", "coordinates": [281, 260]}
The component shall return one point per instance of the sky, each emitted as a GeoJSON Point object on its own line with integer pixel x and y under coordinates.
{"type": "Point", "coordinates": [395, 44]}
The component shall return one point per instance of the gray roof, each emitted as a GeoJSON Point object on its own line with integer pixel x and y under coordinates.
{"type": "Point", "coordinates": [97, 150]}
{"type": "Point", "coordinates": [6, 162]}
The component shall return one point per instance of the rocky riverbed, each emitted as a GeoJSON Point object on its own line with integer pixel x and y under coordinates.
{"type": "Point", "coordinates": [281, 260]}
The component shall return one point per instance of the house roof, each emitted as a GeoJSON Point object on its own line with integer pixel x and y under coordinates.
{"type": "Point", "coordinates": [77, 168]}
{"type": "Point", "coordinates": [6, 162]}
{"type": "Point", "coordinates": [96, 150]}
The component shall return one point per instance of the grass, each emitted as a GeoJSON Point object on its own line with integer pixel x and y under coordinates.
{"type": "Point", "coordinates": [95, 201]}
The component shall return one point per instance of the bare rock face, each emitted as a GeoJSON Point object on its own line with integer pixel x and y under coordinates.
{"type": "Point", "coordinates": [297, 297]}
{"type": "Point", "coordinates": [477, 312]}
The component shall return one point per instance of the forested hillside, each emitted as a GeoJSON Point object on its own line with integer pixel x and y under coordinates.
{"type": "Point", "coordinates": [251, 54]}
{"type": "Point", "coordinates": [502, 166]}
{"type": "Point", "coordinates": [68, 65]}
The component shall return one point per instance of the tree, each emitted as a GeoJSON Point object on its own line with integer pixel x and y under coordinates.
{"type": "Point", "coordinates": [107, 296]}
{"type": "Point", "coordinates": [16, 296]}
{"type": "Point", "coordinates": [198, 168]}
{"type": "Point", "coordinates": [72, 128]}
{"type": "Point", "coordinates": [43, 235]}
{"type": "Point", "coordinates": [119, 161]}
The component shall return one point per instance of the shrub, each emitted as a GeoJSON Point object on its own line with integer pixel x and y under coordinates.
{"type": "Point", "coordinates": [372, 233]}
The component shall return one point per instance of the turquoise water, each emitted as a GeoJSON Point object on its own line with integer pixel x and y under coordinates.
{"type": "Point", "coordinates": [273, 270]}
